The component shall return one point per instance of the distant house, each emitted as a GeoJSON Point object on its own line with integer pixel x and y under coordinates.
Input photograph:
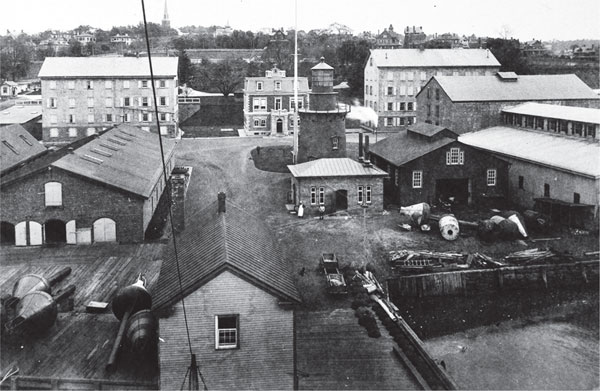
{"type": "Point", "coordinates": [10, 88]}
{"type": "Point", "coordinates": [426, 163]}
{"type": "Point", "coordinates": [269, 103]}
{"type": "Point", "coordinates": [25, 112]}
{"type": "Point", "coordinates": [240, 298]}
{"type": "Point", "coordinates": [471, 103]}
{"type": "Point", "coordinates": [122, 38]}
{"type": "Point", "coordinates": [414, 37]}
{"type": "Point", "coordinates": [389, 39]}
{"type": "Point", "coordinates": [17, 147]}
{"type": "Point", "coordinates": [393, 78]}
{"type": "Point", "coordinates": [219, 55]}
{"type": "Point", "coordinates": [101, 188]}
{"type": "Point", "coordinates": [553, 154]}
{"type": "Point", "coordinates": [85, 38]}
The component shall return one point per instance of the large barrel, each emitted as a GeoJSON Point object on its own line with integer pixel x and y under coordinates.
{"type": "Point", "coordinates": [35, 312]}
{"type": "Point", "coordinates": [132, 298]}
{"type": "Point", "coordinates": [449, 227]}
{"type": "Point", "coordinates": [142, 332]}
{"type": "Point", "coordinates": [30, 283]}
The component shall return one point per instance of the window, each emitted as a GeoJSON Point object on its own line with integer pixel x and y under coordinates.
{"type": "Point", "coordinates": [53, 193]}
{"type": "Point", "coordinates": [144, 101]}
{"type": "Point", "coordinates": [89, 84]}
{"type": "Point", "coordinates": [126, 101]}
{"type": "Point", "coordinates": [145, 117]}
{"type": "Point", "coordinates": [125, 84]}
{"type": "Point", "coordinates": [108, 102]}
{"type": "Point", "coordinates": [90, 102]}
{"type": "Point", "coordinates": [521, 181]}
{"type": "Point", "coordinates": [410, 76]}
{"type": "Point", "coordinates": [321, 196]}
{"type": "Point", "coordinates": [437, 94]}
{"type": "Point", "coordinates": [260, 122]}
{"type": "Point", "coordinates": [53, 132]}
{"type": "Point", "coordinates": [163, 116]}
{"type": "Point", "coordinates": [388, 121]}
{"type": "Point", "coordinates": [144, 84]}
{"type": "Point", "coordinates": [411, 91]}
{"type": "Point", "coordinates": [109, 118]}
{"type": "Point", "coordinates": [146, 128]}
{"type": "Point", "coordinates": [164, 130]}
{"type": "Point", "coordinates": [390, 75]}
{"type": "Point", "coordinates": [390, 106]}
{"type": "Point", "coordinates": [71, 84]}
{"type": "Point", "coordinates": [52, 84]}
{"type": "Point", "coordinates": [402, 75]}
{"type": "Point", "coordinates": [401, 121]}
{"type": "Point", "coordinates": [72, 132]}
{"type": "Point", "coordinates": [368, 194]}
{"type": "Point", "coordinates": [546, 190]}
{"type": "Point", "coordinates": [428, 109]}
{"type": "Point", "coordinates": [52, 102]}
{"type": "Point", "coordinates": [491, 177]}
{"type": "Point", "coordinates": [300, 103]}
{"type": "Point", "coordinates": [277, 85]}
{"type": "Point", "coordinates": [71, 118]}
{"type": "Point", "coordinates": [313, 195]}
{"type": "Point", "coordinates": [259, 86]}
{"type": "Point", "coordinates": [360, 194]}
{"type": "Point", "coordinates": [576, 198]}
{"type": "Point", "coordinates": [417, 179]}
{"type": "Point", "coordinates": [437, 110]}
{"type": "Point", "coordinates": [423, 76]}
{"type": "Point", "coordinates": [335, 141]}
{"type": "Point", "coordinates": [108, 84]}
{"type": "Point", "coordinates": [163, 101]}
{"type": "Point", "coordinates": [259, 104]}
{"type": "Point", "coordinates": [53, 119]}
{"type": "Point", "coordinates": [162, 84]}
{"type": "Point", "coordinates": [455, 156]}
{"type": "Point", "coordinates": [390, 90]}
{"type": "Point", "coordinates": [402, 90]}
{"type": "Point", "coordinates": [402, 106]}
{"type": "Point", "coordinates": [370, 90]}
{"type": "Point", "coordinates": [397, 176]}
{"type": "Point", "coordinates": [126, 117]}
{"type": "Point", "coordinates": [226, 331]}
{"type": "Point", "coordinates": [71, 103]}
{"type": "Point", "coordinates": [410, 106]}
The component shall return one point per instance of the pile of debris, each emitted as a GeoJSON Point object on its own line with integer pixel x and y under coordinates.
{"type": "Point", "coordinates": [532, 255]}
{"type": "Point", "coordinates": [507, 225]}
{"type": "Point", "coordinates": [424, 260]}
{"type": "Point", "coordinates": [478, 260]}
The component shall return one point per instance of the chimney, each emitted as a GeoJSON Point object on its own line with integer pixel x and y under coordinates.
{"type": "Point", "coordinates": [366, 150]}
{"type": "Point", "coordinates": [221, 197]}
{"type": "Point", "coordinates": [360, 147]}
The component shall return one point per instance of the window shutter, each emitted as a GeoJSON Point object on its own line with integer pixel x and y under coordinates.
{"type": "Point", "coordinates": [139, 101]}
{"type": "Point", "coordinates": [395, 91]}
{"type": "Point", "coordinates": [415, 106]}
{"type": "Point", "coordinates": [140, 117]}
{"type": "Point", "coordinates": [149, 117]}
{"type": "Point", "coordinates": [122, 102]}
{"type": "Point", "coordinates": [49, 102]}
{"type": "Point", "coordinates": [461, 158]}
{"type": "Point", "coordinates": [167, 100]}
{"type": "Point", "coordinates": [168, 117]}
{"type": "Point", "coordinates": [139, 84]}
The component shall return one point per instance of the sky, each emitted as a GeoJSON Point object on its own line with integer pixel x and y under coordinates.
{"type": "Point", "coordinates": [522, 19]}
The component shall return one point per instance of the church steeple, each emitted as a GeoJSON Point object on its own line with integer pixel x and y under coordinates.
{"type": "Point", "coordinates": [165, 20]}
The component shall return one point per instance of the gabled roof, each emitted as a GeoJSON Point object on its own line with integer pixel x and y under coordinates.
{"type": "Point", "coordinates": [334, 167]}
{"type": "Point", "coordinates": [235, 241]}
{"type": "Point", "coordinates": [20, 114]}
{"type": "Point", "coordinates": [571, 154]}
{"type": "Point", "coordinates": [56, 67]}
{"type": "Point", "coordinates": [526, 88]}
{"type": "Point", "coordinates": [125, 157]}
{"type": "Point", "coordinates": [406, 58]}
{"type": "Point", "coordinates": [426, 129]}
{"type": "Point", "coordinates": [400, 148]}
{"type": "Point", "coordinates": [568, 113]}
{"type": "Point", "coordinates": [17, 146]}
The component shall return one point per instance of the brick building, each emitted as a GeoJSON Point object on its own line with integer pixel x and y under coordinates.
{"type": "Point", "coordinates": [473, 103]}
{"type": "Point", "coordinates": [240, 299]}
{"type": "Point", "coordinates": [99, 188]}
{"type": "Point", "coordinates": [269, 103]}
{"type": "Point", "coordinates": [83, 95]}
{"type": "Point", "coordinates": [414, 37]}
{"type": "Point", "coordinates": [25, 114]}
{"type": "Point", "coordinates": [17, 146]}
{"type": "Point", "coordinates": [393, 78]}
{"type": "Point", "coordinates": [389, 39]}
{"type": "Point", "coordinates": [553, 154]}
{"type": "Point", "coordinates": [426, 163]}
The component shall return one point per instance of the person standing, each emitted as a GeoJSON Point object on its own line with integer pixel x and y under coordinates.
{"type": "Point", "coordinates": [321, 211]}
{"type": "Point", "coordinates": [301, 210]}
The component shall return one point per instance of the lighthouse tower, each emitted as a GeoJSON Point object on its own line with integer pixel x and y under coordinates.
{"type": "Point", "coordinates": [322, 128]}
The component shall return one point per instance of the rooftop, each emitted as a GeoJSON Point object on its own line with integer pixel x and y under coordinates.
{"type": "Point", "coordinates": [400, 148]}
{"type": "Point", "coordinates": [568, 113]}
{"type": "Point", "coordinates": [17, 146]}
{"type": "Point", "coordinates": [287, 84]}
{"type": "Point", "coordinates": [575, 155]}
{"type": "Point", "coordinates": [222, 241]}
{"type": "Point", "coordinates": [406, 58]}
{"type": "Point", "coordinates": [426, 129]}
{"type": "Point", "coordinates": [55, 67]}
{"type": "Point", "coordinates": [526, 88]}
{"type": "Point", "coordinates": [334, 167]}
{"type": "Point", "coordinates": [19, 114]}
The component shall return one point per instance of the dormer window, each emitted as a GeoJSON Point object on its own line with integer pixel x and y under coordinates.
{"type": "Point", "coordinates": [259, 86]}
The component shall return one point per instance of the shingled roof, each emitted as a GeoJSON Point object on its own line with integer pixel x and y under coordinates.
{"type": "Point", "coordinates": [525, 88]}
{"type": "Point", "coordinates": [401, 148]}
{"type": "Point", "coordinates": [334, 167]}
{"type": "Point", "coordinates": [407, 58]}
{"type": "Point", "coordinates": [74, 67]}
{"type": "Point", "coordinates": [234, 241]}
{"type": "Point", "coordinates": [17, 146]}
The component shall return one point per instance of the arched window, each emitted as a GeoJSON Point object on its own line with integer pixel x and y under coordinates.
{"type": "Point", "coordinates": [53, 193]}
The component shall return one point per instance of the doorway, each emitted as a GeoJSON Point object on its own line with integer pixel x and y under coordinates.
{"type": "Point", "coordinates": [457, 188]}
{"type": "Point", "coordinates": [7, 233]}
{"type": "Point", "coordinates": [341, 199]}
{"type": "Point", "coordinates": [55, 231]}
{"type": "Point", "coordinates": [279, 125]}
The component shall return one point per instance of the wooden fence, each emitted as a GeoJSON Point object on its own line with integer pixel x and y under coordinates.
{"type": "Point", "coordinates": [487, 281]}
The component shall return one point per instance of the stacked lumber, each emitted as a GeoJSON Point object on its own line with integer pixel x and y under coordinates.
{"type": "Point", "coordinates": [483, 261]}
{"type": "Point", "coordinates": [529, 256]}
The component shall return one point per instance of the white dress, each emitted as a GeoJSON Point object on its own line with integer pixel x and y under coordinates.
{"type": "Point", "coordinates": [301, 211]}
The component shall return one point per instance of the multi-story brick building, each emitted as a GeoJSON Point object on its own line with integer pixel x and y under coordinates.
{"type": "Point", "coordinates": [389, 39]}
{"type": "Point", "coordinates": [414, 37]}
{"type": "Point", "coordinates": [473, 103]}
{"type": "Point", "coordinates": [269, 103]}
{"type": "Point", "coordinates": [100, 188]}
{"type": "Point", "coordinates": [553, 155]}
{"type": "Point", "coordinates": [83, 95]}
{"type": "Point", "coordinates": [393, 78]}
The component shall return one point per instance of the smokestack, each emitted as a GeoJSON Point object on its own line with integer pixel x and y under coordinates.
{"type": "Point", "coordinates": [360, 147]}
{"type": "Point", "coordinates": [366, 149]}
{"type": "Point", "coordinates": [221, 197]}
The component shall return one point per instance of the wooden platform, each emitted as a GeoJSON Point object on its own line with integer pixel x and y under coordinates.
{"type": "Point", "coordinates": [79, 343]}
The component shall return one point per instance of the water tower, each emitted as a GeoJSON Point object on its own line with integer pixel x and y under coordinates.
{"type": "Point", "coordinates": [322, 125]}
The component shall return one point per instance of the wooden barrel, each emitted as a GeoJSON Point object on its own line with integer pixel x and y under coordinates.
{"type": "Point", "coordinates": [449, 227]}
{"type": "Point", "coordinates": [142, 333]}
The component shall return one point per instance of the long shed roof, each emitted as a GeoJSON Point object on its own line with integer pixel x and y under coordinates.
{"type": "Point", "coordinates": [20, 114]}
{"type": "Point", "coordinates": [571, 154]}
{"type": "Point", "coordinates": [525, 88]}
{"type": "Point", "coordinates": [401, 148]}
{"type": "Point", "coordinates": [334, 167]}
{"type": "Point", "coordinates": [75, 67]}
{"type": "Point", "coordinates": [568, 113]}
{"type": "Point", "coordinates": [234, 241]}
{"type": "Point", "coordinates": [17, 146]}
{"type": "Point", "coordinates": [407, 58]}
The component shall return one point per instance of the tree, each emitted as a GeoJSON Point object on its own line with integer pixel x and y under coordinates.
{"type": "Point", "coordinates": [75, 48]}
{"type": "Point", "coordinates": [352, 55]}
{"type": "Point", "coordinates": [15, 57]}
{"type": "Point", "coordinates": [508, 53]}
{"type": "Point", "coordinates": [224, 77]}
{"type": "Point", "coordinates": [185, 67]}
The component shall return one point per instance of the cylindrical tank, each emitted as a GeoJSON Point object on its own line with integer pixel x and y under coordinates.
{"type": "Point", "coordinates": [35, 312]}
{"type": "Point", "coordinates": [449, 227]}
{"type": "Point", "coordinates": [142, 331]}
{"type": "Point", "coordinates": [30, 283]}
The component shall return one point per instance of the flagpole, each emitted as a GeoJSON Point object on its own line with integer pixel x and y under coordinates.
{"type": "Point", "coordinates": [295, 147]}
